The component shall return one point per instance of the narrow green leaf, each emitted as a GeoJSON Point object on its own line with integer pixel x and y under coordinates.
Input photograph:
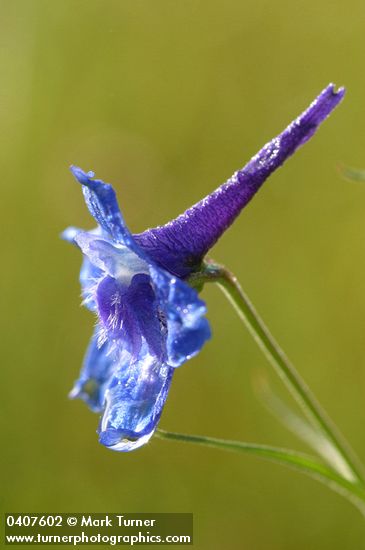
{"type": "Point", "coordinates": [292, 459]}
{"type": "Point", "coordinates": [302, 429]}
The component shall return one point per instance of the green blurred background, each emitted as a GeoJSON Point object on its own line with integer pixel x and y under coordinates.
{"type": "Point", "coordinates": [166, 99]}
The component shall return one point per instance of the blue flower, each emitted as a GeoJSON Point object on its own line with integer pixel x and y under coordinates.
{"type": "Point", "coordinates": [149, 320]}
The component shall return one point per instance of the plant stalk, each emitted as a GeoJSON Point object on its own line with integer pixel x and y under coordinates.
{"type": "Point", "coordinates": [212, 272]}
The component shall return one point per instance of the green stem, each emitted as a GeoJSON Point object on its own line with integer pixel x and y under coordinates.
{"type": "Point", "coordinates": [286, 371]}
{"type": "Point", "coordinates": [298, 461]}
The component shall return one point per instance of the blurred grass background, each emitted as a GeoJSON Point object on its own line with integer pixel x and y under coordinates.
{"type": "Point", "coordinates": [166, 99]}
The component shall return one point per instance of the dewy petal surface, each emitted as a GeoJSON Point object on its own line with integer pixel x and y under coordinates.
{"type": "Point", "coordinates": [134, 402]}
{"type": "Point", "coordinates": [180, 245]}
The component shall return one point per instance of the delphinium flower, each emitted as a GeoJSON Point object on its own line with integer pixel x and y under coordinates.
{"type": "Point", "coordinates": [149, 319]}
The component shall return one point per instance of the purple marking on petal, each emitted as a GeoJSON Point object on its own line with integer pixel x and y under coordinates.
{"type": "Point", "coordinates": [143, 302]}
{"type": "Point", "coordinates": [180, 245]}
{"type": "Point", "coordinates": [110, 297]}
{"type": "Point", "coordinates": [130, 312]}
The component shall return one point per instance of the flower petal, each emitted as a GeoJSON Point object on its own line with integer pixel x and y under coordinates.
{"type": "Point", "coordinates": [95, 373]}
{"type": "Point", "coordinates": [89, 278]}
{"type": "Point", "coordinates": [102, 203]}
{"type": "Point", "coordinates": [134, 402]}
{"type": "Point", "coordinates": [118, 261]}
{"type": "Point", "coordinates": [187, 328]}
{"type": "Point", "coordinates": [180, 245]}
{"type": "Point", "coordinates": [130, 315]}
